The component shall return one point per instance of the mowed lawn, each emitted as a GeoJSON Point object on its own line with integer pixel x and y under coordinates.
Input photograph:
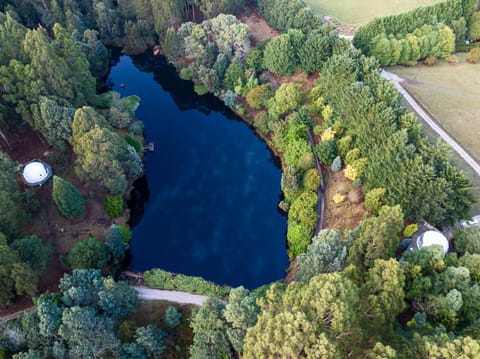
{"type": "Point", "coordinates": [451, 93]}
{"type": "Point", "coordinates": [354, 12]}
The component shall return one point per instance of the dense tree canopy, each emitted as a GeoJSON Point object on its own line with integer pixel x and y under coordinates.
{"type": "Point", "coordinates": [81, 320]}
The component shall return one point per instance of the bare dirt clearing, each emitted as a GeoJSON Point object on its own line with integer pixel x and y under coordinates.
{"type": "Point", "coordinates": [260, 30]}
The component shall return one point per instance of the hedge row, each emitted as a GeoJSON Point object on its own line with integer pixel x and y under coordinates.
{"type": "Point", "coordinates": [158, 278]}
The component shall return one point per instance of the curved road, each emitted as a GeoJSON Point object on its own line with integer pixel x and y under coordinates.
{"type": "Point", "coordinates": [396, 81]}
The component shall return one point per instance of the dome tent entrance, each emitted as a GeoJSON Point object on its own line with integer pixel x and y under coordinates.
{"type": "Point", "coordinates": [36, 173]}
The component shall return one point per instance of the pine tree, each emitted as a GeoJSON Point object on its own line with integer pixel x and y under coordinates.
{"type": "Point", "coordinates": [68, 199]}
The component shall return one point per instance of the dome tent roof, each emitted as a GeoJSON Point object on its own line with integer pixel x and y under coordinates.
{"type": "Point", "coordinates": [430, 238]}
{"type": "Point", "coordinates": [36, 173]}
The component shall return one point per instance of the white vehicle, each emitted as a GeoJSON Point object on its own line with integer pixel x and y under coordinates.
{"type": "Point", "coordinates": [475, 221]}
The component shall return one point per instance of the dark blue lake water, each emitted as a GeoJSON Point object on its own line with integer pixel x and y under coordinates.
{"type": "Point", "coordinates": [213, 184]}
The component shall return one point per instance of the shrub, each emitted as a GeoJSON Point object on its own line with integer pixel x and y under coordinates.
{"type": "Point", "coordinates": [289, 182]}
{"type": "Point", "coordinates": [328, 135]}
{"type": "Point", "coordinates": [472, 263]}
{"type": "Point", "coordinates": [298, 237]}
{"type": "Point", "coordinates": [240, 110]}
{"type": "Point", "coordinates": [355, 170]}
{"type": "Point", "coordinates": [410, 230]}
{"type": "Point", "coordinates": [126, 233]}
{"type": "Point", "coordinates": [307, 161]}
{"type": "Point", "coordinates": [158, 278]}
{"type": "Point", "coordinates": [200, 89]}
{"type": "Point", "coordinates": [474, 55]}
{"type": "Point", "coordinates": [114, 205]}
{"type": "Point", "coordinates": [317, 130]}
{"type": "Point", "coordinates": [33, 251]}
{"type": "Point", "coordinates": [30, 201]}
{"type": "Point", "coordinates": [254, 60]}
{"type": "Point", "coordinates": [351, 172]}
{"type": "Point", "coordinates": [312, 179]}
{"type": "Point", "coordinates": [126, 330]}
{"type": "Point", "coordinates": [185, 74]}
{"type": "Point", "coordinates": [326, 152]}
{"type": "Point", "coordinates": [88, 253]}
{"type": "Point", "coordinates": [344, 145]}
{"type": "Point", "coordinates": [474, 29]}
{"type": "Point", "coordinates": [467, 240]}
{"type": "Point", "coordinates": [337, 164]}
{"type": "Point", "coordinates": [287, 98]}
{"type": "Point", "coordinates": [303, 210]}
{"type": "Point", "coordinates": [134, 143]}
{"type": "Point", "coordinates": [258, 96]}
{"type": "Point", "coordinates": [327, 113]}
{"type": "Point", "coordinates": [357, 183]}
{"type": "Point", "coordinates": [261, 121]}
{"type": "Point", "coordinates": [352, 156]}
{"type": "Point", "coordinates": [234, 76]}
{"type": "Point", "coordinates": [294, 150]}
{"type": "Point", "coordinates": [172, 317]}
{"type": "Point", "coordinates": [230, 99]}
{"type": "Point", "coordinates": [430, 60]}
{"type": "Point", "coordinates": [338, 198]}
{"type": "Point", "coordinates": [374, 199]}
{"type": "Point", "coordinates": [452, 59]}
{"type": "Point", "coordinates": [4, 353]}
{"type": "Point", "coordinates": [67, 198]}
{"type": "Point", "coordinates": [136, 128]}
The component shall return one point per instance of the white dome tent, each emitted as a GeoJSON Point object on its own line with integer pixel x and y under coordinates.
{"type": "Point", "coordinates": [429, 238]}
{"type": "Point", "coordinates": [36, 173]}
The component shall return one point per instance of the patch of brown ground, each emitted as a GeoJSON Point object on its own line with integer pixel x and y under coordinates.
{"type": "Point", "coordinates": [307, 81]}
{"type": "Point", "coordinates": [260, 30]}
{"type": "Point", "coordinates": [292, 271]}
{"type": "Point", "coordinates": [59, 232]}
{"type": "Point", "coordinates": [351, 211]}
{"type": "Point", "coordinates": [341, 28]}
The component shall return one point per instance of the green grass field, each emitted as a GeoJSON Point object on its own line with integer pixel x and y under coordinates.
{"type": "Point", "coordinates": [451, 93]}
{"type": "Point", "coordinates": [355, 13]}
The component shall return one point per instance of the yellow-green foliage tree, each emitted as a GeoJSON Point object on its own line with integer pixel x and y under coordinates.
{"type": "Point", "coordinates": [288, 97]}
{"type": "Point", "coordinates": [313, 320]}
{"type": "Point", "coordinates": [378, 239]}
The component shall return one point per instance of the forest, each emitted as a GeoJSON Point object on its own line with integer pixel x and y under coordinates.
{"type": "Point", "coordinates": [353, 293]}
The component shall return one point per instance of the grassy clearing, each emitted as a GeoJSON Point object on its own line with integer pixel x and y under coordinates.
{"type": "Point", "coordinates": [353, 12]}
{"type": "Point", "coordinates": [451, 94]}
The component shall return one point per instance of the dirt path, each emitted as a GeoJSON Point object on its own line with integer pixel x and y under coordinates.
{"type": "Point", "coordinates": [8, 317]}
{"type": "Point", "coordinates": [396, 81]}
{"type": "Point", "coordinates": [145, 293]}
{"type": "Point", "coordinates": [320, 191]}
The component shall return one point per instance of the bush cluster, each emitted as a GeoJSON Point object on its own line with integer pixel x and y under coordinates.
{"type": "Point", "coordinates": [158, 278]}
{"type": "Point", "coordinates": [114, 205]}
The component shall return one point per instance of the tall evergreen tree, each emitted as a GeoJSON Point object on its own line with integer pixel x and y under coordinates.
{"type": "Point", "coordinates": [68, 199]}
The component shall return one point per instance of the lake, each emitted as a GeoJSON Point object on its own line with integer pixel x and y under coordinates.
{"type": "Point", "coordinates": [212, 186]}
